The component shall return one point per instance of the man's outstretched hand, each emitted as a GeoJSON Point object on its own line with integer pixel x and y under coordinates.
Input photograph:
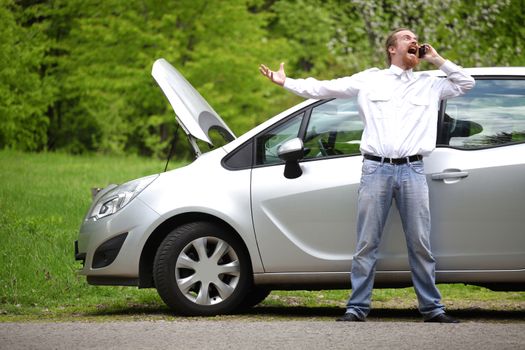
{"type": "Point", "coordinates": [277, 77]}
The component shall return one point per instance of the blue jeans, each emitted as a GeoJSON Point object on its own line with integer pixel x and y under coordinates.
{"type": "Point", "coordinates": [406, 183]}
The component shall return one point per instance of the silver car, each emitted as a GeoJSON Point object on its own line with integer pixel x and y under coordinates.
{"type": "Point", "coordinates": [275, 208]}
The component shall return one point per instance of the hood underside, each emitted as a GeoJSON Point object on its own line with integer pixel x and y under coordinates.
{"type": "Point", "coordinates": [193, 113]}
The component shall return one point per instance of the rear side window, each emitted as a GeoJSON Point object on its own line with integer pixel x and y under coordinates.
{"type": "Point", "coordinates": [492, 114]}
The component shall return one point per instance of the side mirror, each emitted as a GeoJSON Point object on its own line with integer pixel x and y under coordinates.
{"type": "Point", "coordinates": [290, 152]}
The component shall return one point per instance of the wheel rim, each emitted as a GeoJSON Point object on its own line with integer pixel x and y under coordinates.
{"type": "Point", "coordinates": [207, 271]}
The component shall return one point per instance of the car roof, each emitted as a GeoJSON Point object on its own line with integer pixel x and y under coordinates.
{"type": "Point", "coordinates": [487, 71]}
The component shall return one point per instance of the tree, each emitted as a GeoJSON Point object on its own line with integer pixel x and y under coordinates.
{"type": "Point", "coordinates": [75, 74]}
{"type": "Point", "coordinates": [26, 94]}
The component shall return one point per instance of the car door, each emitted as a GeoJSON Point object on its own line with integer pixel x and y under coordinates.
{"type": "Point", "coordinates": [308, 223]}
{"type": "Point", "coordinates": [477, 179]}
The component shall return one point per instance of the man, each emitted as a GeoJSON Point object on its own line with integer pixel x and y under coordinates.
{"type": "Point", "coordinates": [399, 111]}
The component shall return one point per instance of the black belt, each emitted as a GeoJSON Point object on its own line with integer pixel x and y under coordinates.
{"type": "Point", "coordinates": [405, 160]}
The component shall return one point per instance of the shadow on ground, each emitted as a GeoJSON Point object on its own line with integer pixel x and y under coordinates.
{"type": "Point", "coordinates": [390, 314]}
{"type": "Point", "coordinates": [262, 313]}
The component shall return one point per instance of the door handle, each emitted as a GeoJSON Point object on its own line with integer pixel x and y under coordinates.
{"type": "Point", "coordinates": [449, 175]}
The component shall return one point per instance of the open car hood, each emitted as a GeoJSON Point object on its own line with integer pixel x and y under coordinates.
{"type": "Point", "coordinates": [193, 113]}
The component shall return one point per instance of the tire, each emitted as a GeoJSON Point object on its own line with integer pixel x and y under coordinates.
{"type": "Point", "coordinates": [202, 269]}
{"type": "Point", "coordinates": [254, 296]}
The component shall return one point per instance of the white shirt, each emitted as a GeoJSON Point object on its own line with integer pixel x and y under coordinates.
{"type": "Point", "coordinates": [399, 108]}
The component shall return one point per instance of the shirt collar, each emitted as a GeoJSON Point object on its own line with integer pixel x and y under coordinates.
{"type": "Point", "coordinates": [399, 71]}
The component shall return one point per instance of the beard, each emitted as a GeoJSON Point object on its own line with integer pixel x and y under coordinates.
{"type": "Point", "coordinates": [410, 61]}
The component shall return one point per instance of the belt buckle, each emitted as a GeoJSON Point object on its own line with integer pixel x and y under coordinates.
{"type": "Point", "coordinates": [391, 161]}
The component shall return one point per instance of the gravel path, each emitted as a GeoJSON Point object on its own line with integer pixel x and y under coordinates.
{"type": "Point", "coordinates": [254, 334]}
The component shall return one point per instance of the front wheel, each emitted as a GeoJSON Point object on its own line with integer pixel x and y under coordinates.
{"type": "Point", "coordinates": [254, 296]}
{"type": "Point", "coordinates": [202, 269]}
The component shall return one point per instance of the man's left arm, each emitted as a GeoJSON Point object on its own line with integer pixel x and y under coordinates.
{"type": "Point", "coordinates": [458, 81]}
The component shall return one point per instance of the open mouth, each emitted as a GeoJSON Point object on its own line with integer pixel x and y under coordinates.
{"type": "Point", "coordinates": [412, 50]}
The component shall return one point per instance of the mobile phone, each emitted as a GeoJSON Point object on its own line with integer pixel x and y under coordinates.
{"type": "Point", "coordinates": [422, 51]}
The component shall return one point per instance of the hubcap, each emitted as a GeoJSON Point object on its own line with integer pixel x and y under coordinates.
{"type": "Point", "coordinates": [207, 271]}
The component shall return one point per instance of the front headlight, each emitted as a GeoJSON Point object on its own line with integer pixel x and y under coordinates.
{"type": "Point", "coordinates": [118, 198]}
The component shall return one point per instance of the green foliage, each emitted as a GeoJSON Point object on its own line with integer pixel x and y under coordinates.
{"type": "Point", "coordinates": [75, 74]}
{"type": "Point", "coordinates": [25, 93]}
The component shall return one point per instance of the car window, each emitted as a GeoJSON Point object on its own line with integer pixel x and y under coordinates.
{"type": "Point", "coordinates": [334, 128]}
{"type": "Point", "coordinates": [269, 142]}
{"type": "Point", "coordinates": [491, 114]}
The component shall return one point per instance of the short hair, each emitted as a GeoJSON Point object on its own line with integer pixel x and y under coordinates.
{"type": "Point", "coordinates": [391, 40]}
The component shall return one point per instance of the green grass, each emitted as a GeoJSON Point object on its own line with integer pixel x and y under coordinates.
{"type": "Point", "coordinates": [43, 198]}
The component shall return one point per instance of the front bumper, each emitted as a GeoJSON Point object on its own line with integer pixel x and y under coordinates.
{"type": "Point", "coordinates": [110, 248]}
{"type": "Point", "coordinates": [79, 256]}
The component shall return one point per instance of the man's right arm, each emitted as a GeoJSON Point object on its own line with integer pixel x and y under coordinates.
{"type": "Point", "coordinates": [312, 88]}
{"type": "Point", "coordinates": [346, 87]}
